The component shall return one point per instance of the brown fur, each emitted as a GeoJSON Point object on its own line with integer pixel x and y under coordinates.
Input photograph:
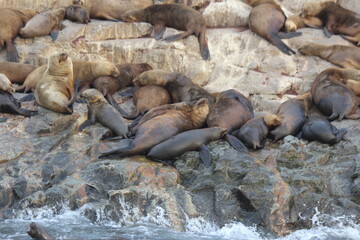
{"type": "Point", "coordinates": [11, 21]}
{"type": "Point", "coordinates": [333, 98]}
{"type": "Point", "coordinates": [295, 22]}
{"type": "Point", "coordinates": [292, 114]}
{"type": "Point", "coordinates": [351, 78]}
{"type": "Point", "coordinates": [43, 23]}
{"type": "Point", "coordinates": [77, 13]}
{"type": "Point", "coordinates": [16, 72]}
{"type": "Point", "coordinates": [175, 16]}
{"type": "Point", "coordinates": [5, 84]}
{"type": "Point", "coordinates": [343, 56]}
{"type": "Point", "coordinates": [56, 88]}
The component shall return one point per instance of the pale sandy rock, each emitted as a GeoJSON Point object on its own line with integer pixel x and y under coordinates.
{"type": "Point", "coordinates": [37, 5]}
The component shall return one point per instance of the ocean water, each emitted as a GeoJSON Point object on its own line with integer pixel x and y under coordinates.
{"type": "Point", "coordinates": [68, 224]}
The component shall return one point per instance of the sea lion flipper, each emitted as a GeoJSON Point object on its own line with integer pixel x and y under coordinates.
{"type": "Point", "coordinates": [28, 97]}
{"type": "Point", "coordinates": [327, 32]}
{"type": "Point", "coordinates": [204, 154]}
{"type": "Point", "coordinates": [287, 35]}
{"type": "Point", "coordinates": [129, 92]}
{"type": "Point", "coordinates": [159, 29]}
{"type": "Point", "coordinates": [341, 134]}
{"type": "Point", "coordinates": [236, 143]}
{"type": "Point", "coordinates": [178, 36]}
{"type": "Point", "coordinates": [89, 121]}
{"type": "Point", "coordinates": [54, 34]}
{"type": "Point", "coordinates": [281, 45]}
{"type": "Point", "coordinates": [112, 101]}
{"type": "Point", "coordinates": [12, 54]}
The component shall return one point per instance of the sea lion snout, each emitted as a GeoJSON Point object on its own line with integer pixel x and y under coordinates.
{"type": "Point", "coordinates": [115, 73]}
{"type": "Point", "coordinates": [63, 57]}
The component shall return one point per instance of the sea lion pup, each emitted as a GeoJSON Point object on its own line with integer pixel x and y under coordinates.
{"type": "Point", "coordinates": [148, 97]}
{"type": "Point", "coordinates": [188, 141]}
{"type": "Point", "coordinates": [231, 111]}
{"type": "Point", "coordinates": [175, 16]}
{"type": "Point", "coordinates": [109, 85]}
{"type": "Point", "coordinates": [55, 90]}
{"type": "Point", "coordinates": [254, 131]}
{"type": "Point", "coordinates": [317, 128]}
{"type": "Point", "coordinates": [343, 56]}
{"type": "Point", "coordinates": [100, 110]}
{"type": "Point", "coordinates": [180, 87]}
{"type": "Point", "coordinates": [332, 97]}
{"type": "Point", "coordinates": [16, 72]}
{"type": "Point", "coordinates": [11, 21]}
{"type": "Point", "coordinates": [336, 19]}
{"type": "Point", "coordinates": [43, 24]}
{"type": "Point", "coordinates": [266, 19]}
{"type": "Point", "coordinates": [292, 114]}
{"type": "Point", "coordinates": [295, 22]}
{"type": "Point", "coordinates": [77, 13]}
{"type": "Point", "coordinates": [162, 126]}
{"type": "Point", "coordinates": [9, 104]}
{"type": "Point", "coordinates": [5, 84]}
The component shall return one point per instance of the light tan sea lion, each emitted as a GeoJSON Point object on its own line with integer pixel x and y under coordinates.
{"type": "Point", "coordinates": [16, 72]}
{"type": "Point", "coordinates": [5, 84]}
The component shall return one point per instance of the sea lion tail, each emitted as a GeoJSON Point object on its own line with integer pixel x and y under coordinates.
{"type": "Point", "coordinates": [281, 45]}
{"type": "Point", "coordinates": [236, 143]}
{"type": "Point", "coordinates": [204, 49]}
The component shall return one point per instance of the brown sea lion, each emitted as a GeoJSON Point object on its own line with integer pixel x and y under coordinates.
{"type": "Point", "coordinates": [188, 141]}
{"type": "Point", "coordinates": [162, 126]}
{"type": "Point", "coordinates": [112, 9]}
{"type": "Point", "coordinates": [148, 97]}
{"type": "Point", "coordinates": [55, 90]}
{"type": "Point", "coordinates": [86, 71]}
{"type": "Point", "coordinates": [254, 131]}
{"type": "Point", "coordinates": [175, 16]}
{"type": "Point", "coordinates": [11, 21]}
{"type": "Point", "coordinates": [16, 72]}
{"type": "Point", "coordinates": [231, 111]}
{"type": "Point", "coordinates": [295, 22]}
{"type": "Point", "coordinates": [109, 85]}
{"type": "Point", "coordinates": [5, 84]}
{"type": "Point", "coordinates": [333, 98]}
{"type": "Point", "coordinates": [43, 24]}
{"type": "Point", "coordinates": [343, 56]}
{"type": "Point", "coordinates": [9, 104]}
{"type": "Point", "coordinates": [77, 13]}
{"type": "Point", "coordinates": [317, 128]}
{"type": "Point", "coordinates": [180, 87]}
{"type": "Point", "coordinates": [292, 114]}
{"type": "Point", "coordinates": [336, 19]}
{"type": "Point", "coordinates": [266, 19]}
{"type": "Point", "coordinates": [100, 110]}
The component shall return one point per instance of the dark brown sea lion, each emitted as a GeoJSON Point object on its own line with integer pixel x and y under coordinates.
{"type": "Point", "coordinates": [5, 84]}
{"type": "Point", "coordinates": [231, 111]}
{"type": "Point", "coordinates": [266, 19]}
{"type": "Point", "coordinates": [162, 126]}
{"type": "Point", "coordinates": [16, 72]}
{"type": "Point", "coordinates": [9, 104]}
{"type": "Point", "coordinates": [188, 141]}
{"type": "Point", "coordinates": [254, 131]}
{"type": "Point", "coordinates": [180, 87]}
{"type": "Point", "coordinates": [11, 21]}
{"type": "Point", "coordinates": [175, 16]}
{"type": "Point", "coordinates": [317, 128]}
{"type": "Point", "coordinates": [333, 98]}
{"type": "Point", "coordinates": [77, 13]}
{"type": "Point", "coordinates": [292, 114]}
{"type": "Point", "coordinates": [100, 110]}
{"type": "Point", "coordinates": [336, 19]}
{"type": "Point", "coordinates": [148, 97]}
{"type": "Point", "coordinates": [343, 56]}
{"type": "Point", "coordinates": [109, 85]}
{"type": "Point", "coordinates": [43, 24]}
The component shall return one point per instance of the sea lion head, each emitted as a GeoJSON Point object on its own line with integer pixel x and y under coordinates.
{"type": "Point", "coordinates": [135, 15]}
{"type": "Point", "coordinates": [290, 23]}
{"type": "Point", "coordinates": [111, 69]}
{"type": "Point", "coordinates": [306, 98]}
{"type": "Point", "coordinates": [5, 84]}
{"type": "Point", "coordinates": [60, 63]}
{"type": "Point", "coordinates": [200, 111]}
{"type": "Point", "coordinates": [218, 132]}
{"type": "Point", "coordinates": [78, 2]}
{"type": "Point", "coordinates": [92, 96]}
{"type": "Point", "coordinates": [271, 120]}
{"type": "Point", "coordinates": [150, 77]}
{"type": "Point", "coordinates": [308, 49]}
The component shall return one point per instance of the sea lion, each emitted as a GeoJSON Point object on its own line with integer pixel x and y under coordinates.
{"type": "Point", "coordinates": [55, 90]}
{"type": "Point", "coordinates": [9, 104]}
{"type": "Point", "coordinates": [332, 97]}
{"type": "Point", "coordinates": [336, 19]}
{"type": "Point", "coordinates": [343, 56]}
{"type": "Point", "coordinates": [292, 114]}
{"type": "Point", "coordinates": [5, 84]}
{"type": "Point", "coordinates": [43, 24]}
{"type": "Point", "coordinates": [254, 131]}
{"type": "Point", "coordinates": [180, 87]}
{"type": "Point", "coordinates": [317, 128]}
{"type": "Point", "coordinates": [231, 111]}
{"type": "Point", "coordinates": [84, 70]}
{"type": "Point", "coordinates": [11, 21]}
{"type": "Point", "coordinates": [100, 110]}
{"type": "Point", "coordinates": [188, 141]}
{"type": "Point", "coordinates": [16, 72]}
{"type": "Point", "coordinates": [112, 9]}
{"type": "Point", "coordinates": [148, 97]}
{"type": "Point", "coordinates": [109, 85]}
{"type": "Point", "coordinates": [295, 22]}
{"type": "Point", "coordinates": [266, 19]}
{"type": "Point", "coordinates": [77, 13]}
{"type": "Point", "coordinates": [175, 16]}
{"type": "Point", "coordinates": [162, 126]}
